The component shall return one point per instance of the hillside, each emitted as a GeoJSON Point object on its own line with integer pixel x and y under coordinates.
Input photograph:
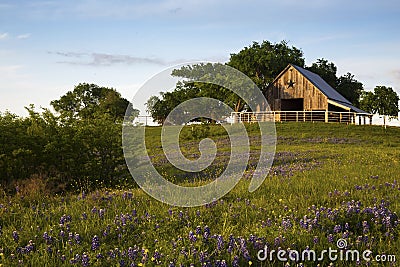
{"type": "Point", "coordinates": [329, 182]}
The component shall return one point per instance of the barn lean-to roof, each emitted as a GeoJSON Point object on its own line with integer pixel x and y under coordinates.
{"type": "Point", "coordinates": [332, 95]}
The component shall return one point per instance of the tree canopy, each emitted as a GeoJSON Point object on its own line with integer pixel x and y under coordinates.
{"type": "Point", "coordinates": [89, 100]}
{"type": "Point", "coordinates": [346, 84]}
{"type": "Point", "coordinates": [327, 71]}
{"type": "Point", "coordinates": [350, 88]}
{"type": "Point", "coordinates": [262, 62]}
{"type": "Point", "coordinates": [383, 100]}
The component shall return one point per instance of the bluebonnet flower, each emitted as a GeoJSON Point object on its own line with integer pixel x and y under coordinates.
{"type": "Point", "coordinates": [184, 252]}
{"type": "Point", "coordinates": [192, 237]}
{"type": "Point", "coordinates": [198, 230]}
{"type": "Point", "coordinates": [77, 238]}
{"type": "Point", "coordinates": [65, 218]}
{"type": "Point", "coordinates": [47, 238]}
{"type": "Point", "coordinates": [132, 252]}
{"type": "Point", "coordinates": [123, 220]}
{"type": "Point", "coordinates": [85, 260]}
{"type": "Point", "coordinates": [95, 243]}
{"type": "Point", "coordinates": [365, 227]}
{"type": "Point", "coordinates": [337, 228]}
{"type": "Point", "coordinates": [277, 241]}
{"type": "Point", "coordinates": [206, 233]}
{"type": "Point", "coordinates": [101, 213]}
{"type": "Point", "coordinates": [220, 242]}
{"type": "Point", "coordinates": [156, 256]}
{"type": "Point", "coordinates": [15, 236]}
{"type": "Point", "coordinates": [111, 253]}
{"type": "Point", "coordinates": [235, 262]}
{"type": "Point", "coordinates": [107, 230]}
{"type": "Point", "coordinates": [70, 237]}
{"type": "Point", "coordinates": [346, 234]}
{"type": "Point", "coordinates": [243, 249]}
{"type": "Point", "coordinates": [75, 259]}
{"type": "Point", "coordinates": [30, 246]}
{"type": "Point", "coordinates": [286, 223]}
{"type": "Point", "coordinates": [127, 195]}
{"type": "Point", "coordinates": [203, 256]}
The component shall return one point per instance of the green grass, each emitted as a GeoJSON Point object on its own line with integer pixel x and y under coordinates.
{"type": "Point", "coordinates": [336, 173]}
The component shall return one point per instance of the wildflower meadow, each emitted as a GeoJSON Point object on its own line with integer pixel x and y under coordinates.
{"type": "Point", "coordinates": [328, 183]}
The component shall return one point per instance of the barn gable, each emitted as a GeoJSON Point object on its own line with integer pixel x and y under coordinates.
{"type": "Point", "coordinates": [298, 89]}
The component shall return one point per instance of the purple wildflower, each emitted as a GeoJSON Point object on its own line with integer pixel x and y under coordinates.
{"type": "Point", "coordinates": [15, 236]}
{"type": "Point", "coordinates": [220, 242]}
{"type": "Point", "coordinates": [207, 233]}
{"type": "Point", "coordinates": [85, 260]}
{"type": "Point", "coordinates": [77, 238]}
{"type": "Point", "coordinates": [192, 237]}
{"type": "Point", "coordinates": [47, 238]}
{"type": "Point", "coordinates": [235, 262]}
{"type": "Point", "coordinates": [95, 243]}
{"type": "Point", "coordinates": [101, 213]}
{"type": "Point", "coordinates": [337, 228]}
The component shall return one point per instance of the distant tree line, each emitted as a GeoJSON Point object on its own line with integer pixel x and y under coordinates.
{"type": "Point", "coordinates": [262, 62]}
{"type": "Point", "coordinates": [78, 147]}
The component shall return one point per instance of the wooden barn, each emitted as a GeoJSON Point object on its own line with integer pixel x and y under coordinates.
{"type": "Point", "coordinates": [298, 89]}
{"type": "Point", "coordinates": [297, 94]}
{"type": "Point", "coordinates": [301, 95]}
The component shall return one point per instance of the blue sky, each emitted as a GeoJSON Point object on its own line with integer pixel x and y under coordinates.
{"type": "Point", "coordinates": [47, 47]}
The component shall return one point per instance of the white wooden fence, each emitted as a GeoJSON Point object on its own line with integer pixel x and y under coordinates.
{"type": "Point", "coordinates": [302, 116]}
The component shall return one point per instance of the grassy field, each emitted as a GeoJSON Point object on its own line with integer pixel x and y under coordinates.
{"type": "Point", "coordinates": [329, 182]}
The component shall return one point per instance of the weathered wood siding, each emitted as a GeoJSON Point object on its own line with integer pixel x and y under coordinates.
{"type": "Point", "coordinates": [313, 99]}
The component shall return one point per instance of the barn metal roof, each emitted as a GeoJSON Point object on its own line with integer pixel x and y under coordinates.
{"type": "Point", "coordinates": [323, 86]}
{"type": "Point", "coordinates": [326, 89]}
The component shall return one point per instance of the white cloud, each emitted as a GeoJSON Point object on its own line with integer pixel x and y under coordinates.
{"type": "Point", "coordinates": [3, 36]}
{"type": "Point", "coordinates": [24, 36]}
{"type": "Point", "coordinates": [101, 59]}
